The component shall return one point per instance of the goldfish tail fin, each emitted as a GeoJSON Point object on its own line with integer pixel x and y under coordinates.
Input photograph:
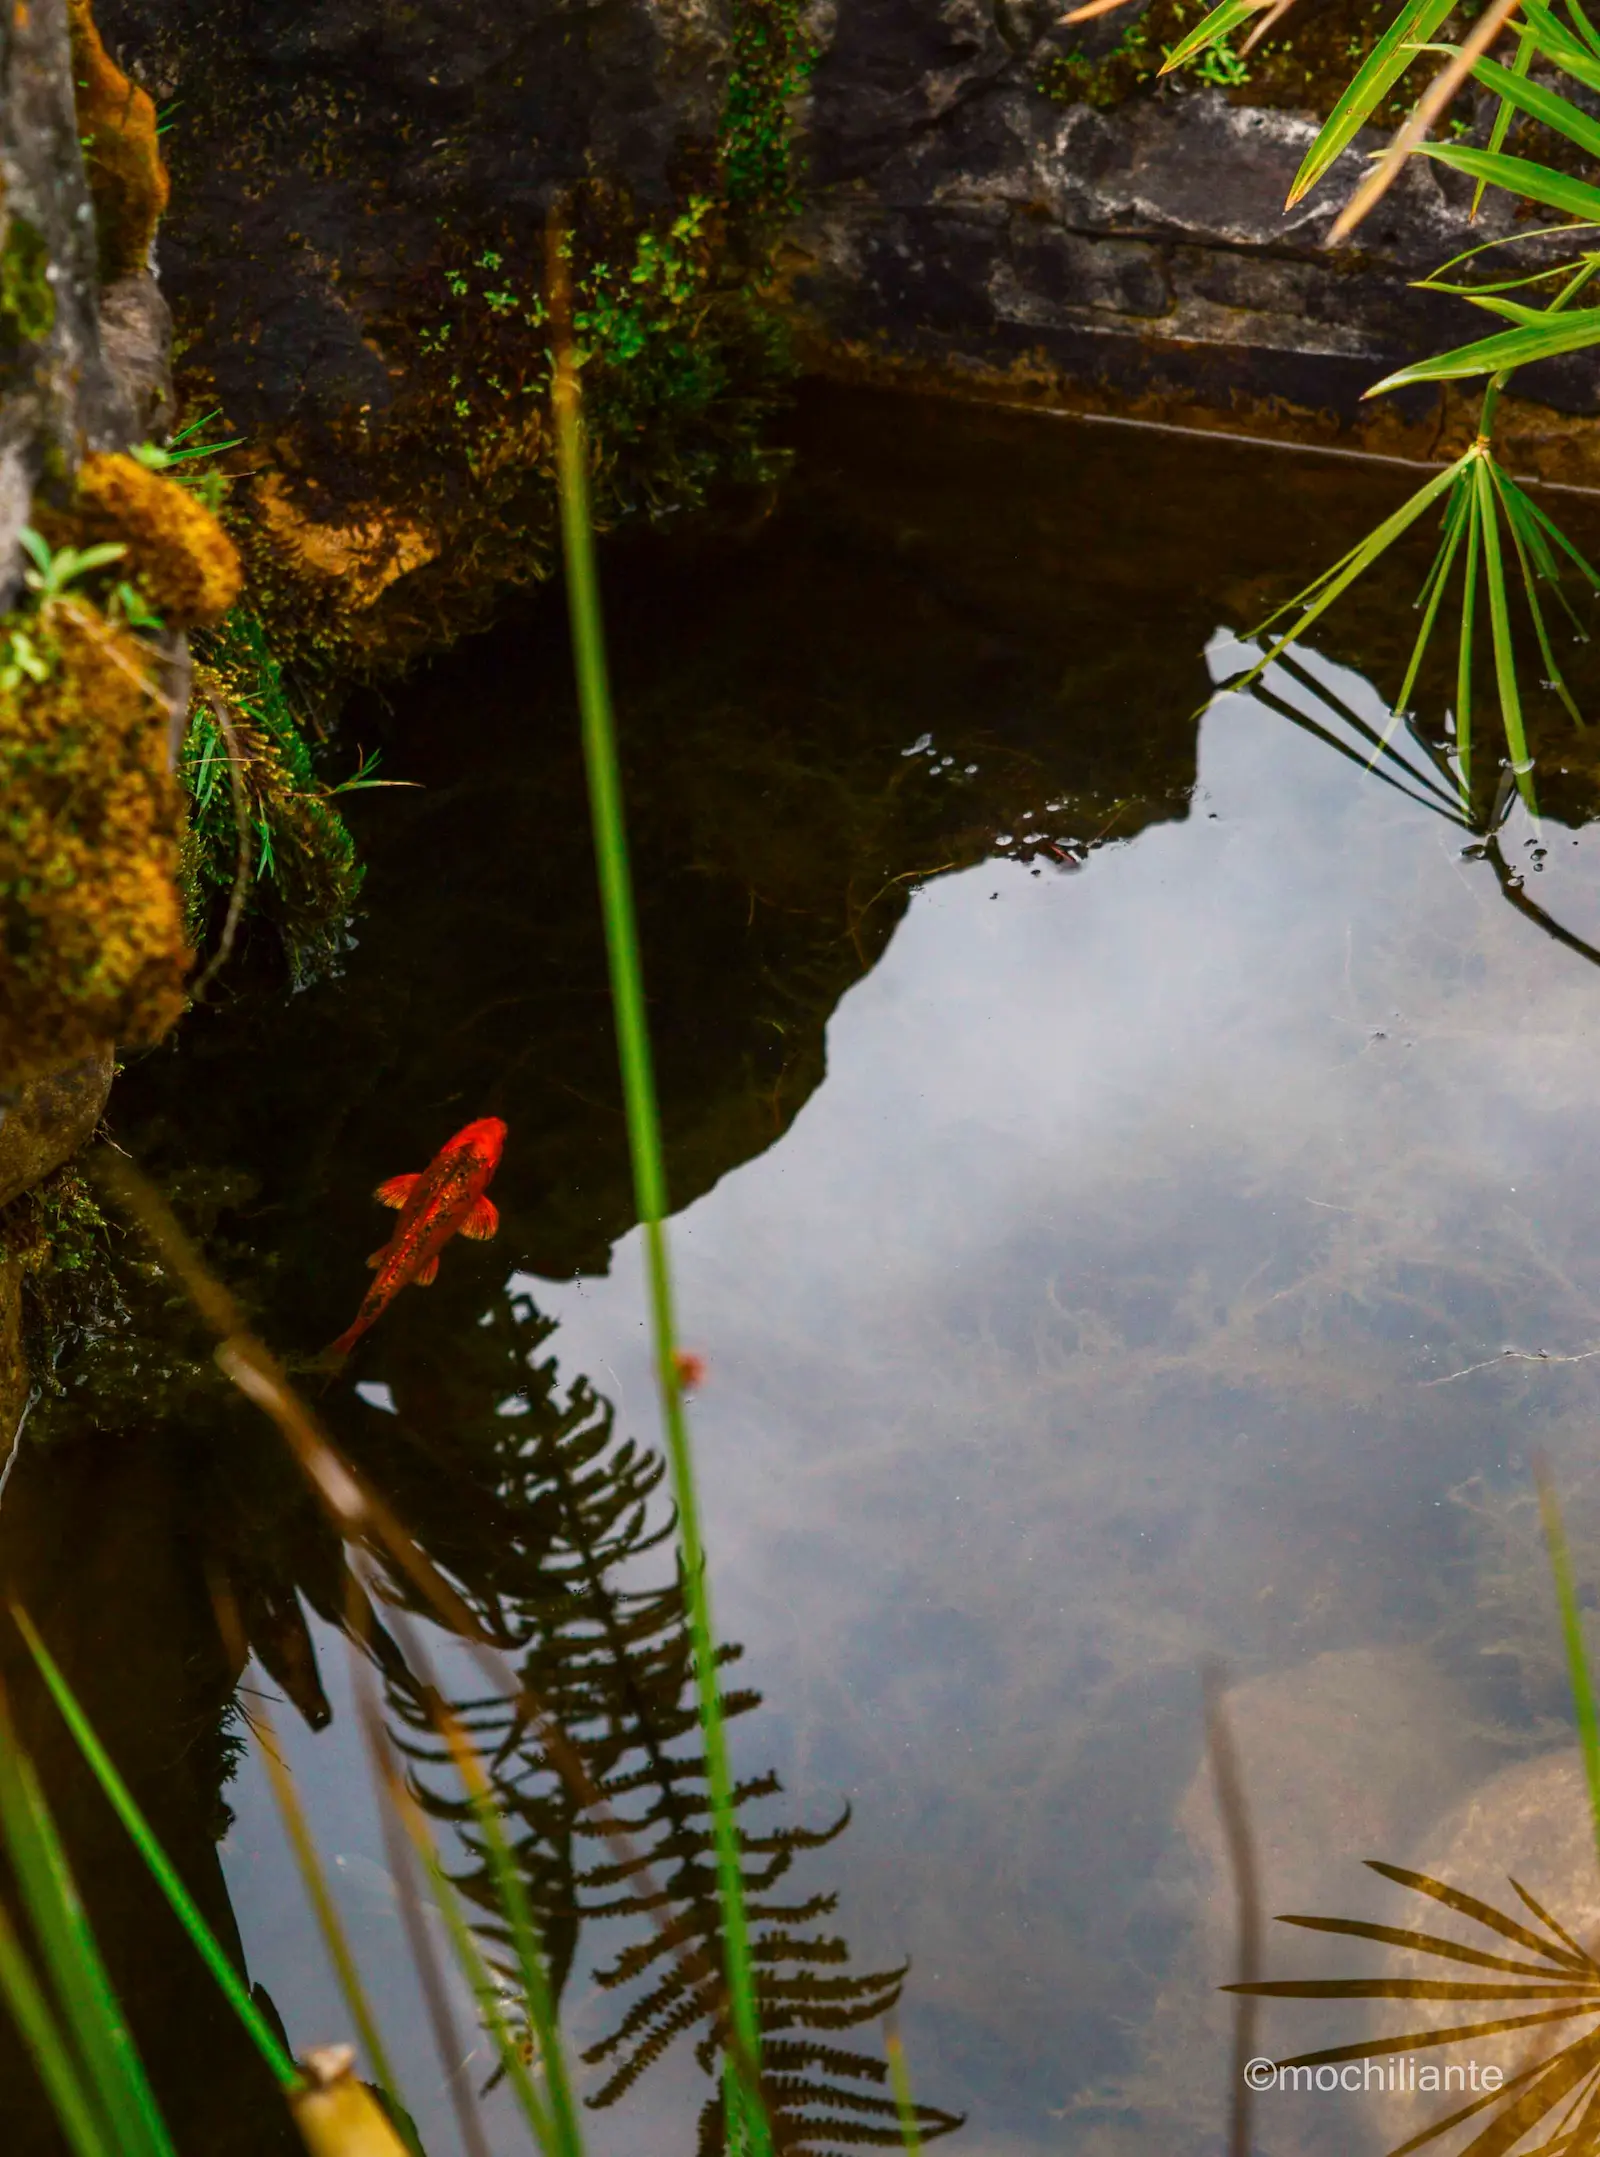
{"type": "Point", "coordinates": [396, 1191]}
{"type": "Point", "coordinates": [336, 1351]}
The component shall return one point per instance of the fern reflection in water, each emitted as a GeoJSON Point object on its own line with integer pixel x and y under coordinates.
{"type": "Point", "coordinates": [555, 1512]}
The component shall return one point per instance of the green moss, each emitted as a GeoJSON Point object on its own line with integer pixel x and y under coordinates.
{"type": "Point", "coordinates": [1306, 66]}
{"type": "Point", "coordinates": [450, 502]}
{"type": "Point", "coordinates": [59, 1236]}
{"type": "Point", "coordinates": [90, 824]}
{"type": "Point", "coordinates": [27, 299]}
{"type": "Point", "coordinates": [771, 56]}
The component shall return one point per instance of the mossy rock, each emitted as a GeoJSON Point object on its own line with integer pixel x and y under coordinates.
{"type": "Point", "coordinates": [90, 830]}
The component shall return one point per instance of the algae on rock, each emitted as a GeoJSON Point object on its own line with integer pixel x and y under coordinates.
{"type": "Point", "coordinates": [90, 912]}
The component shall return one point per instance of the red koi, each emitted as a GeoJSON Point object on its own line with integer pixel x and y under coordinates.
{"type": "Point", "coordinates": [446, 1199]}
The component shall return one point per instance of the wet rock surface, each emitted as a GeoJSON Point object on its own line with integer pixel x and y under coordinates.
{"type": "Point", "coordinates": [323, 155]}
{"type": "Point", "coordinates": [1530, 1824]}
{"type": "Point", "coordinates": [44, 1121]}
{"type": "Point", "coordinates": [1345, 1757]}
{"type": "Point", "coordinates": [963, 220]}
{"type": "Point", "coordinates": [58, 394]}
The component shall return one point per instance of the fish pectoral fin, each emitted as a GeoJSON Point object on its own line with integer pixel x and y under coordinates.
{"type": "Point", "coordinates": [425, 1276]}
{"type": "Point", "coordinates": [379, 1256]}
{"type": "Point", "coordinates": [482, 1222]}
{"type": "Point", "coordinates": [396, 1191]}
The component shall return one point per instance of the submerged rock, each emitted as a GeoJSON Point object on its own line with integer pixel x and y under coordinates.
{"type": "Point", "coordinates": [44, 1121]}
{"type": "Point", "coordinates": [1344, 1757]}
{"type": "Point", "coordinates": [1530, 1824]}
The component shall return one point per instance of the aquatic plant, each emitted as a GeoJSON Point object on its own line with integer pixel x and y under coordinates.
{"type": "Point", "coordinates": [1494, 536]}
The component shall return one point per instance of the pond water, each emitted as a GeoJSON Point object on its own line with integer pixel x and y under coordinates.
{"type": "Point", "coordinates": [1115, 1145]}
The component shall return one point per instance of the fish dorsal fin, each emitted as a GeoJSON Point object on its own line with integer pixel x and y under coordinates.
{"type": "Point", "coordinates": [482, 1222]}
{"type": "Point", "coordinates": [396, 1191]}
{"type": "Point", "coordinates": [425, 1276]}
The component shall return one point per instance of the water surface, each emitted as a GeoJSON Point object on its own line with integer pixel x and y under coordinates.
{"type": "Point", "coordinates": [1114, 1147]}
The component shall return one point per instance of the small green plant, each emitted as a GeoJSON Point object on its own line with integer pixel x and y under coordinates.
{"type": "Point", "coordinates": [1492, 532]}
{"type": "Point", "coordinates": [52, 571]}
{"type": "Point", "coordinates": [245, 754]}
{"type": "Point", "coordinates": [1221, 66]}
{"type": "Point", "coordinates": [184, 450]}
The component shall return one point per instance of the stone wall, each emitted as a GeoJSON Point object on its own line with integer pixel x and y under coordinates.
{"type": "Point", "coordinates": [966, 229]}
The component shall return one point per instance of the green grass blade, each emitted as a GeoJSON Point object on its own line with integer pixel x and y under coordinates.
{"type": "Point", "coordinates": [900, 2083]}
{"type": "Point", "coordinates": [474, 1969]}
{"type": "Point", "coordinates": [1433, 593]}
{"type": "Point", "coordinates": [650, 1188]}
{"type": "Point", "coordinates": [1506, 349]}
{"type": "Point", "coordinates": [1520, 510]}
{"type": "Point", "coordinates": [58, 2071]}
{"type": "Point", "coordinates": [1583, 1706]}
{"type": "Point", "coordinates": [1356, 563]}
{"type": "Point", "coordinates": [1547, 106]}
{"type": "Point", "coordinates": [1379, 72]}
{"type": "Point", "coordinates": [1433, 281]}
{"type": "Point", "coordinates": [1505, 656]}
{"type": "Point", "coordinates": [334, 1938]}
{"type": "Point", "coordinates": [1549, 525]}
{"type": "Point", "coordinates": [1469, 622]}
{"type": "Point", "coordinates": [1591, 36]}
{"type": "Point", "coordinates": [1217, 24]}
{"type": "Point", "coordinates": [1502, 119]}
{"type": "Point", "coordinates": [90, 2006]}
{"type": "Point", "coordinates": [566, 2135]}
{"type": "Point", "coordinates": [1519, 176]}
{"type": "Point", "coordinates": [1520, 540]}
{"type": "Point", "coordinates": [157, 1862]}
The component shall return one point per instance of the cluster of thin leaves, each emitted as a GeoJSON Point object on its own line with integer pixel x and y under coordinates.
{"type": "Point", "coordinates": [1494, 540]}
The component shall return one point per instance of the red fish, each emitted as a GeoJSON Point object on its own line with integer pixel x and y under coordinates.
{"type": "Point", "coordinates": [445, 1200]}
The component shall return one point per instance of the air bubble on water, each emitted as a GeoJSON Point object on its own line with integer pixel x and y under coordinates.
{"type": "Point", "coordinates": [970, 769]}
{"type": "Point", "coordinates": [923, 741]}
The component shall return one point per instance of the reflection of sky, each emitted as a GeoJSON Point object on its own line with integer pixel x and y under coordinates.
{"type": "Point", "coordinates": [1080, 1326]}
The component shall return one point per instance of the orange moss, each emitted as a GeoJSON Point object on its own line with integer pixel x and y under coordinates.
{"type": "Point", "coordinates": [91, 822]}
{"type": "Point", "coordinates": [184, 562]}
{"type": "Point", "coordinates": [122, 156]}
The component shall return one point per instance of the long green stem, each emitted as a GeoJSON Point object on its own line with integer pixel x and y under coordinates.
{"type": "Point", "coordinates": [334, 1938]}
{"type": "Point", "coordinates": [1469, 603]}
{"type": "Point", "coordinates": [1583, 1705]}
{"type": "Point", "coordinates": [57, 2070]}
{"type": "Point", "coordinates": [90, 2005]}
{"type": "Point", "coordinates": [159, 1864]}
{"type": "Point", "coordinates": [900, 2083]}
{"type": "Point", "coordinates": [649, 1179]}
